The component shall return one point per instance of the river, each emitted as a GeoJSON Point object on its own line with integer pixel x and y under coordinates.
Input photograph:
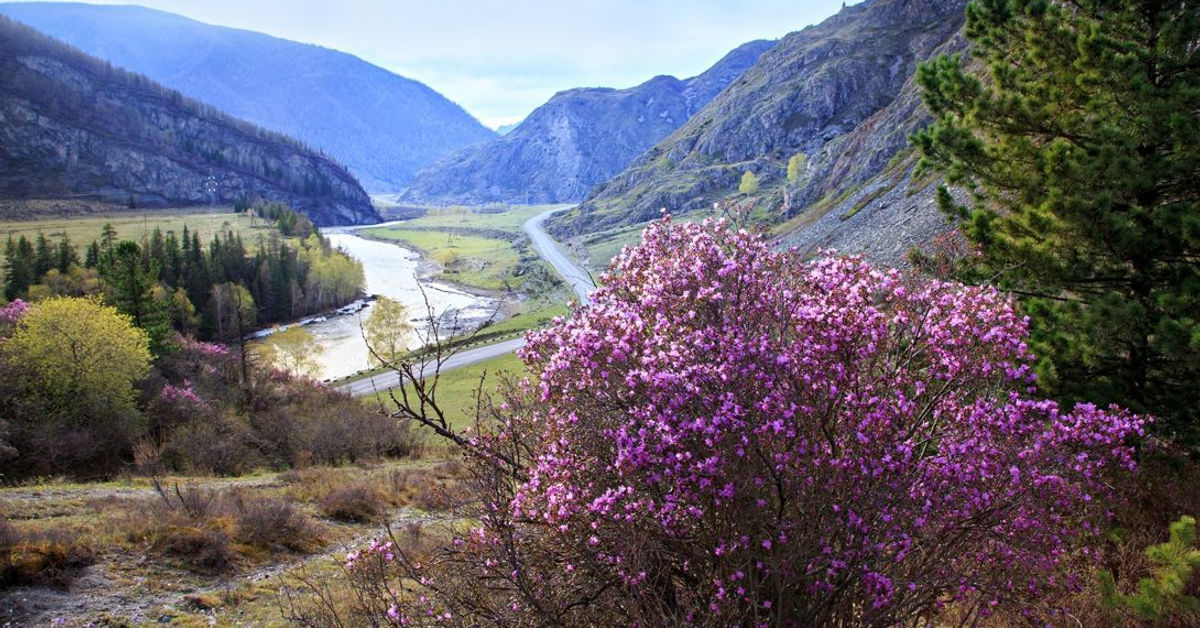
{"type": "Point", "coordinates": [393, 272]}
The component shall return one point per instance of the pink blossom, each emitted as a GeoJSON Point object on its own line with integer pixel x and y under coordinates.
{"type": "Point", "coordinates": [874, 431]}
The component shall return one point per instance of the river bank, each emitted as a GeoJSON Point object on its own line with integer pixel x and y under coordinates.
{"type": "Point", "coordinates": [402, 275]}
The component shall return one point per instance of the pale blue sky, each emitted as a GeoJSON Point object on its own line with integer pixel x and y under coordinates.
{"type": "Point", "coordinates": [500, 60]}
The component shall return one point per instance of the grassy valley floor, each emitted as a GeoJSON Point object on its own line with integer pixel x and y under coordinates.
{"type": "Point", "coordinates": [133, 224]}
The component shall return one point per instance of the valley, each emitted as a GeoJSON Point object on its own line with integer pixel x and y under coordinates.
{"type": "Point", "coordinates": [311, 317]}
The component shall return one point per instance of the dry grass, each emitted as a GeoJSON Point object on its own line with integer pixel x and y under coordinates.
{"type": "Point", "coordinates": [356, 503]}
{"type": "Point", "coordinates": [41, 557]}
{"type": "Point", "coordinates": [211, 547]}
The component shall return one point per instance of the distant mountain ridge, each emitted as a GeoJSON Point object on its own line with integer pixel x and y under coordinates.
{"type": "Point", "coordinates": [578, 139]}
{"type": "Point", "coordinates": [840, 93]}
{"type": "Point", "coordinates": [383, 127]}
{"type": "Point", "coordinates": [73, 125]}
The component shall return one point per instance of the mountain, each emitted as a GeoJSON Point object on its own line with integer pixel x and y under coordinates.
{"type": "Point", "coordinates": [840, 93]}
{"type": "Point", "coordinates": [384, 127]}
{"type": "Point", "coordinates": [578, 139]}
{"type": "Point", "coordinates": [72, 125]}
{"type": "Point", "coordinates": [505, 129]}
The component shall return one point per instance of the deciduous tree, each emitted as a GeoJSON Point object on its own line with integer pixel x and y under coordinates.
{"type": "Point", "coordinates": [749, 184]}
{"type": "Point", "coordinates": [78, 351]}
{"type": "Point", "coordinates": [293, 349]}
{"type": "Point", "coordinates": [386, 331]}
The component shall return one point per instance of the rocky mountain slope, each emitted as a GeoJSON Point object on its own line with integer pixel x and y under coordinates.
{"type": "Point", "coordinates": [72, 125]}
{"type": "Point", "coordinates": [860, 193]}
{"type": "Point", "coordinates": [578, 139]}
{"type": "Point", "coordinates": [840, 93]}
{"type": "Point", "coordinates": [384, 127]}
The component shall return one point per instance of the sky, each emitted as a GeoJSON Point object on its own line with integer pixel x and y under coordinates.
{"type": "Point", "coordinates": [501, 60]}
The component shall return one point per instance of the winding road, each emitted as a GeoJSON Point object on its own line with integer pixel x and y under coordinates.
{"type": "Point", "coordinates": [575, 276]}
{"type": "Point", "coordinates": [578, 278]}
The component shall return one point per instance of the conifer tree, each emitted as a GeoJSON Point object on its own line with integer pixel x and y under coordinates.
{"type": "Point", "coordinates": [18, 267]}
{"type": "Point", "coordinates": [92, 257]}
{"type": "Point", "coordinates": [65, 255]}
{"type": "Point", "coordinates": [131, 284]}
{"type": "Point", "coordinates": [1164, 596]}
{"type": "Point", "coordinates": [1076, 130]}
{"type": "Point", "coordinates": [43, 257]}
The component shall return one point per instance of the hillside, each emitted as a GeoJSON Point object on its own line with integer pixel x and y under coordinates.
{"type": "Point", "coordinates": [578, 139]}
{"type": "Point", "coordinates": [860, 194]}
{"type": "Point", "coordinates": [839, 92]}
{"type": "Point", "coordinates": [383, 127]}
{"type": "Point", "coordinates": [72, 125]}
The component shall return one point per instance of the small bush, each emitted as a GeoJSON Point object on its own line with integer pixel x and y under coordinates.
{"type": "Point", "coordinates": [431, 495]}
{"type": "Point", "coordinates": [191, 502]}
{"type": "Point", "coordinates": [201, 525]}
{"type": "Point", "coordinates": [204, 550]}
{"type": "Point", "coordinates": [357, 503]}
{"type": "Point", "coordinates": [371, 583]}
{"type": "Point", "coordinates": [273, 524]}
{"type": "Point", "coordinates": [217, 445]}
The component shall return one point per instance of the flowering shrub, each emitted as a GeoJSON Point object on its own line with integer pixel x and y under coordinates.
{"type": "Point", "coordinates": [201, 349]}
{"type": "Point", "coordinates": [9, 315]}
{"type": "Point", "coordinates": [731, 436]}
{"type": "Point", "coordinates": [183, 395]}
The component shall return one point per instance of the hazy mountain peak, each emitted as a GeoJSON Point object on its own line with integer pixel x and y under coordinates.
{"type": "Point", "coordinates": [578, 139]}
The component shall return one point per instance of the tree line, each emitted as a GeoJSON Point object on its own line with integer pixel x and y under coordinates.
{"type": "Point", "coordinates": [171, 282]}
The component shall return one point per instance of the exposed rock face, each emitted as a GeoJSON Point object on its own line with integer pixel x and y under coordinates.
{"type": "Point", "coordinates": [878, 208]}
{"type": "Point", "coordinates": [835, 92]}
{"type": "Point", "coordinates": [578, 139]}
{"type": "Point", "coordinates": [72, 125]}
{"type": "Point", "coordinates": [383, 127]}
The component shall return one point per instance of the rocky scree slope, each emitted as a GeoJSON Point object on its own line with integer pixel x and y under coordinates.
{"type": "Point", "coordinates": [578, 139]}
{"type": "Point", "coordinates": [860, 193]}
{"type": "Point", "coordinates": [839, 92]}
{"type": "Point", "coordinates": [72, 125]}
{"type": "Point", "coordinates": [382, 126]}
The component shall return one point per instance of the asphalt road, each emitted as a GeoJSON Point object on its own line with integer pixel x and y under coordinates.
{"type": "Point", "coordinates": [576, 277]}
{"type": "Point", "coordinates": [391, 379]}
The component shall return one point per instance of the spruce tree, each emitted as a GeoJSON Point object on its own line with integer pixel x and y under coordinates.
{"type": "Point", "coordinates": [131, 284]}
{"type": "Point", "coordinates": [44, 258]}
{"type": "Point", "coordinates": [18, 268]}
{"type": "Point", "coordinates": [92, 257]}
{"type": "Point", "coordinates": [1075, 127]}
{"type": "Point", "coordinates": [65, 255]}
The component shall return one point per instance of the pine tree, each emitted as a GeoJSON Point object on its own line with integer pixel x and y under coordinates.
{"type": "Point", "coordinates": [1076, 129]}
{"type": "Point", "coordinates": [1164, 596]}
{"type": "Point", "coordinates": [108, 236]}
{"type": "Point", "coordinates": [172, 270]}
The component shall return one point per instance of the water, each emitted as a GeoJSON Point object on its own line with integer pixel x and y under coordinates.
{"type": "Point", "coordinates": [393, 272]}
